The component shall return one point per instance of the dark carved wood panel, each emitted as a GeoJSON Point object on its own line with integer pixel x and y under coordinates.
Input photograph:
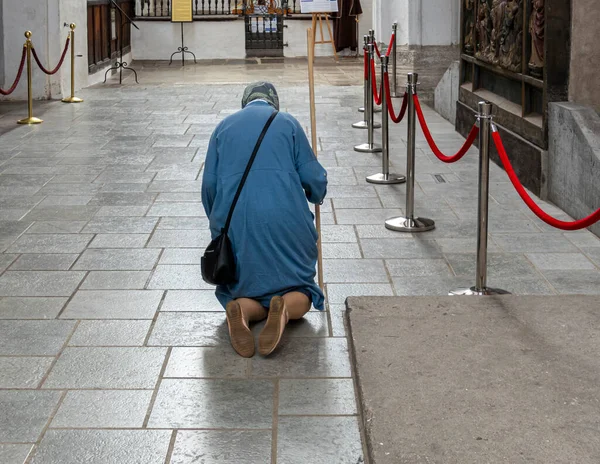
{"type": "Point", "coordinates": [101, 46]}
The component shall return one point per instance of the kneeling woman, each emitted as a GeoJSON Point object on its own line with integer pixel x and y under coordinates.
{"type": "Point", "coordinates": [272, 231]}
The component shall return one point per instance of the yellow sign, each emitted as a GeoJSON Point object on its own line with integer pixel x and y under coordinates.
{"type": "Point", "coordinates": [181, 11]}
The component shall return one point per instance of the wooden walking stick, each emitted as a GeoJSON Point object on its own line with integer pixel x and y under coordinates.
{"type": "Point", "coordinates": [313, 132]}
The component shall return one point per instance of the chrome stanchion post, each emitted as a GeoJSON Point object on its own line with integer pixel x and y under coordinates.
{"type": "Point", "coordinates": [485, 127]}
{"type": "Point", "coordinates": [370, 146]}
{"type": "Point", "coordinates": [364, 123]}
{"type": "Point", "coordinates": [394, 92]}
{"type": "Point", "coordinates": [385, 177]}
{"type": "Point", "coordinates": [376, 109]}
{"type": "Point", "coordinates": [410, 223]}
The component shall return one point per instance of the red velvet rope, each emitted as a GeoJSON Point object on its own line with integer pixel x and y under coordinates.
{"type": "Point", "coordinates": [366, 65]}
{"type": "Point", "coordinates": [376, 97]}
{"type": "Point", "coordinates": [389, 49]}
{"type": "Point", "coordinates": [377, 49]}
{"type": "Point", "coordinates": [62, 59]}
{"type": "Point", "coordinates": [19, 74]}
{"type": "Point", "coordinates": [390, 104]}
{"type": "Point", "coordinates": [446, 159]}
{"type": "Point", "coordinates": [563, 225]}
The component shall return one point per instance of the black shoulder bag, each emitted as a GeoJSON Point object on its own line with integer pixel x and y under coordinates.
{"type": "Point", "coordinates": [218, 262]}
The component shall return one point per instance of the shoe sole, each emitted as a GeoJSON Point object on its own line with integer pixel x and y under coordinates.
{"type": "Point", "coordinates": [240, 335]}
{"type": "Point", "coordinates": [272, 333]}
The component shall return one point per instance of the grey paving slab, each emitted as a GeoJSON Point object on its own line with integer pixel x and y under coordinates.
{"type": "Point", "coordinates": [14, 454]}
{"type": "Point", "coordinates": [120, 225]}
{"type": "Point", "coordinates": [222, 447]}
{"type": "Point", "coordinates": [110, 333]}
{"type": "Point", "coordinates": [180, 239]}
{"type": "Point", "coordinates": [183, 223]}
{"type": "Point", "coordinates": [65, 213]}
{"type": "Point", "coordinates": [379, 231]}
{"type": "Point", "coordinates": [177, 277]}
{"type": "Point", "coordinates": [354, 270]}
{"type": "Point", "coordinates": [498, 265]}
{"type": "Point", "coordinates": [103, 447]}
{"type": "Point", "coordinates": [65, 200]}
{"type": "Point", "coordinates": [125, 188]}
{"type": "Point", "coordinates": [464, 245]}
{"type": "Point", "coordinates": [557, 261]}
{"type": "Point", "coordinates": [24, 413]}
{"type": "Point", "coordinates": [216, 362]}
{"type": "Point", "coordinates": [534, 243]}
{"type": "Point", "coordinates": [191, 300]}
{"type": "Point", "coordinates": [592, 253]}
{"type": "Point", "coordinates": [175, 186]}
{"type": "Point", "coordinates": [56, 227]}
{"type": "Point", "coordinates": [115, 280]}
{"type": "Point", "coordinates": [319, 440]}
{"type": "Point", "coordinates": [123, 211]}
{"type": "Point", "coordinates": [103, 409]}
{"type": "Point", "coordinates": [575, 282]}
{"type": "Point", "coordinates": [177, 210]}
{"type": "Point", "coordinates": [122, 199]}
{"type": "Point", "coordinates": [305, 357]}
{"type": "Point", "coordinates": [189, 329]}
{"type": "Point", "coordinates": [106, 368]}
{"type": "Point", "coordinates": [33, 338]}
{"type": "Point", "coordinates": [356, 203]}
{"type": "Point", "coordinates": [51, 243]}
{"type": "Point", "coordinates": [337, 293]}
{"type": "Point", "coordinates": [119, 241]}
{"type": "Point", "coordinates": [181, 255]}
{"type": "Point", "coordinates": [44, 262]}
{"type": "Point", "coordinates": [341, 250]}
{"type": "Point", "coordinates": [117, 260]}
{"type": "Point", "coordinates": [318, 397]}
{"type": "Point", "coordinates": [365, 216]}
{"type": "Point", "coordinates": [418, 267]}
{"type": "Point", "coordinates": [113, 304]}
{"type": "Point", "coordinates": [223, 404]}
{"type": "Point", "coordinates": [334, 233]}
{"type": "Point", "coordinates": [179, 197]}
{"type": "Point", "coordinates": [385, 248]}
{"type": "Point", "coordinates": [30, 307]}
{"type": "Point", "coordinates": [23, 372]}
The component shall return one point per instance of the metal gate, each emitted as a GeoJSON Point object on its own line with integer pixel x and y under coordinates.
{"type": "Point", "coordinates": [264, 35]}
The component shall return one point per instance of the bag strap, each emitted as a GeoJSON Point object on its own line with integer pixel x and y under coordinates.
{"type": "Point", "coordinates": [245, 176]}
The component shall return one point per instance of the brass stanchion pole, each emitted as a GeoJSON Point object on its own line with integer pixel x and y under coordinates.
{"type": "Point", "coordinates": [313, 131]}
{"type": "Point", "coordinates": [29, 119]}
{"type": "Point", "coordinates": [72, 98]}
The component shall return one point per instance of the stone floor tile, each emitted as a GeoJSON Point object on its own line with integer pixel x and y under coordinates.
{"type": "Point", "coordinates": [430, 285]}
{"type": "Point", "coordinates": [218, 362]}
{"type": "Point", "coordinates": [319, 440]}
{"type": "Point", "coordinates": [110, 333]}
{"type": "Point", "coordinates": [24, 413]}
{"type": "Point", "coordinates": [64, 213]}
{"type": "Point", "coordinates": [189, 329]}
{"type": "Point", "coordinates": [557, 261]}
{"type": "Point", "coordinates": [365, 216]}
{"type": "Point", "coordinates": [33, 338]}
{"type": "Point", "coordinates": [14, 454]}
{"type": "Point", "coordinates": [181, 255]}
{"type": "Point", "coordinates": [120, 225]}
{"type": "Point", "coordinates": [44, 262]}
{"type": "Point", "coordinates": [341, 251]}
{"type": "Point", "coordinates": [180, 239]}
{"type": "Point", "coordinates": [223, 447]}
{"type": "Point", "coordinates": [113, 304]}
{"type": "Point", "coordinates": [103, 447]}
{"type": "Point", "coordinates": [498, 265]}
{"type": "Point", "coordinates": [354, 270]}
{"type": "Point", "coordinates": [30, 308]}
{"type": "Point", "coordinates": [106, 368]}
{"type": "Point", "coordinates": [177, 210]}
{"type": "Point", "coordinates": [349, 191]}
{"type": "Point", "coordinates": [7, 260]}
{"type": "Point", "coordinates": [177, 186]}
{"type": "Point", "coordinates": [193, 197]}
{"type": "Point", "coordinates": [575, 282]}
{"type": "Point", "coordinates": [117, 260]}
{"type": "Point", "coordinates": [39, 283]}
{"type": "Point", "coordinates": [103, 409]}
{"type": "Point", "coordinates": [418, 267]}
{"type": "Point", "coordinates": [177, 277]}
{"type": "Point", "coordinates": [464, 245]}
{"type": "Point", "coordinates": [379, 231]}
{"type": "Point", "coordinates": [356, 203]}
{"type": "Point", "coordinates": [385, 248]}
{"type": "Point", "coordinates": [518, 285]}
{"type": "Point", "coordinates": [183, 223]}
{"type": "Point", "coordinates": [583, 239]}
{"type": "Point", "coordinates": [317, 397]}
{"type": "Point", "coordinates": [305, 357]}
{"type": "Point", "coordinates": [593, 253]}
{"type": "Point", "coordinates": [56, 227]}
{"type": "Point", "coordinates": [533, 243]}
{"type": "Point", "coordinates": [51, 243]}
{"type": "Point", "coordinates": [120, 241]}
{"type": "Point", "coordinates": [115, 280]}
{"type": "Point", "coordinates": [191, 300]}
{"type": "Point", "coordinates": [223, 404]}
{"type": "Point", "coordinates": [337, 293]}
{"type": "Point", "coordinates": [21, 372]}
{"type": "Point", "coordinates": [124, 211]}
{"type": "Point", "coordinates": [66, 200]}
{"type": "Point", "coordinates": [337, 313]}
{"type": "Point", "coordinates": [334, 233]}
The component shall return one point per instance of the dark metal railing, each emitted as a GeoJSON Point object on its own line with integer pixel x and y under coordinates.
{"type": "Point", "coordinates": [162, 8]}
{"type": "Point", "coordinates": [264, 35]}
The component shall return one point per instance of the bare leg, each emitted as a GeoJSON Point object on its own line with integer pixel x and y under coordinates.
{"type": "Point", "coordinates": [291, 306]}
{"type": "Point", "coordinates": [240, 313]}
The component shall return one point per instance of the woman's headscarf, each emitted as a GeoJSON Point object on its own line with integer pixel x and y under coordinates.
{"type": "Point", "coordinates": [261, 91]}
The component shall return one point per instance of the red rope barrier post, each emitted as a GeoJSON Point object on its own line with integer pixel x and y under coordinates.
{"type": "Point", "coordinates": [372, 40]}
{"type": "Point", "coordinates": [72, 98]}
{"type": "Point", "coordinates": [370, 146]}
{"type": "Point", "coordinates": [384, 177]}
{"type": "Point", "coordinates": [485, 128]}
{"type": "Point", "coordinates": [410, 223]}
{"type": "Point", "coordinates": [365, 122]}
{"type": "Point", "coordinates": [394, 93]}
{"type": "Point", "coordinates": [29, 119]}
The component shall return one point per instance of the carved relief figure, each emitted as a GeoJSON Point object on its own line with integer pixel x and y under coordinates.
{"type": "Point", "coordinates": [511, 37]}
{"type": "Point", "coordinates": [482, 29]}
{"type": "Point", "coordinates": [469, 27]}
{"type": "Point", "coordinates": [498, 10]}
{"type": "Point", "coordinates": [537, 28]}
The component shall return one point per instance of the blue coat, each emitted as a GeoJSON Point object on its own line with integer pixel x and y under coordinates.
{"type": "Point", "coordinates": [272, 230]}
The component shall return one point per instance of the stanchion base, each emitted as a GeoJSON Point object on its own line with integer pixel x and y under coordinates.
{"type": "Point", "coordinates": [72, 100]}
{"type": "Point", "coordinates": [365, 125]}
{"type": "Point", "coordinates": [386, 179]}
{"type": "Point", "coordinates": [477, 292]}
{"type": "Point", "coordinates": [404, 224]}
{"type": "Point", "coordinates": [30, 121]}
{"type": "Point", "coordinates": [367, 148]}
